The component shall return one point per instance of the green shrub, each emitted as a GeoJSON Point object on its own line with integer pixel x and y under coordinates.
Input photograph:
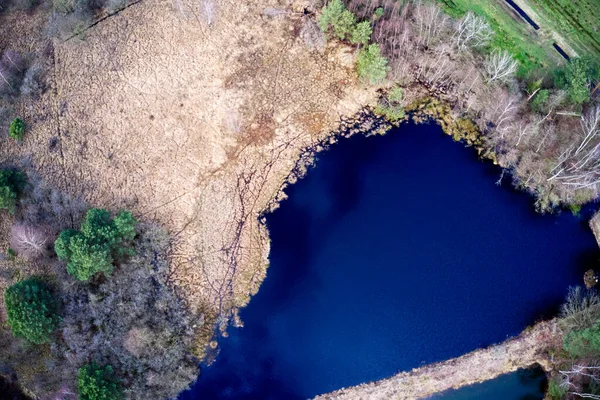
{"type": "Point", "coordinates": [335, 16]}
{"type": "Point", "coordinates": [390, 105]}
{"type": "Point", "coordinates": [371, 65]}
{"type": "Point", "coordinates": [539, 101]}
{"type": "Point", "coordinates": [98, 383]}
{"type": "Point", "coordinates": [17, 129]}
{"type": "Point", "coordinates": [12, 183]}
{"type": "Point", "coordinates": [583, 342]}
{"type": "Point", "coordinates": [555, 391]}
{"type": "Point", "coordinates": [31, 310]}
{"type": "Point", "coordinates": [391, 113]}
{"type": "Point", "coordinates": [575, 79]}
{"type": "Point", "coordinates": [395, 95]}
{"type": "Point", "coordinates": [361, 34]}
{"type": "Point", "coordinates": [94, 248]}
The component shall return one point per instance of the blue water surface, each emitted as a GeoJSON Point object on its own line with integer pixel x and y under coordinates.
{"type": "Point", "coordinates": [394, 252]}
{"type": "Point", "coordinates": [524, 384]}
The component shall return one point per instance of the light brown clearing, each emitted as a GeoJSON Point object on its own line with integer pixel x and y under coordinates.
{"type": "Point", "coordinates": [192, 124]}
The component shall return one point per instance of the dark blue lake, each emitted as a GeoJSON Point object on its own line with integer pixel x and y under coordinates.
{"type": "Point", "coordinates": [394, 252]}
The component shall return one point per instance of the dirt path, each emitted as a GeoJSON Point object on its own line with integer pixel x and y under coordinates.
{"type": "Point", "coordinates": [480, 365]}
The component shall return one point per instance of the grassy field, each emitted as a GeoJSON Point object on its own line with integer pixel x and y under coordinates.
{"type": "Point", "coordinates": [532, 49]}
{"type": "Point", "coordinates": [576, 20]}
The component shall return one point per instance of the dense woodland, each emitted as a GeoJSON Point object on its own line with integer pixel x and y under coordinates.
{"type": "Point", "coordinates": [98, 318]}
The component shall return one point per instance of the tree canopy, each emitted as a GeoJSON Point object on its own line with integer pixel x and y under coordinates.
{"type": "Point", "coordinates": [31, 310]}
{"type": "Point", "coordinates": [576, 78]}
{"type": "Point", "coordinates": [93, 248]}
{"type": "Point", "coordinates": [98, 383]}
{"type": "Point", "coordinates": [336, 17]}
{"type": "Point", "coordinates": [361, 34]}
{"type": "Point", "coordinates": [371, 65]}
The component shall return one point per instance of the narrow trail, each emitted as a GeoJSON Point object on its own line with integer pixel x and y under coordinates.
{"type": "Point", "coordinates": [523, 351]}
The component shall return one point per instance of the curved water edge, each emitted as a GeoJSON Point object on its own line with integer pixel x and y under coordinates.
{"type": "Point", "coordinates": [263, 355]}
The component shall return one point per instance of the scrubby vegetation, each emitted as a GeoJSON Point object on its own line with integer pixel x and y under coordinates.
{"type": "Point", "coordinates": [338, 21]}
{"type": "Point", "coordinates": [32, 311]}
{"type": "Point", "coordinates": [98, 383]}
{"type": "Point", "coordinates": [390, 105]}
{"type": "Point", "coordinates": [147, 324]}
{"type": "Point", "coordinates": [94, 248]}
{"type": "Point", "coordinates": [577, 374]}
{"type": "Point", "coordinates": [131, 319]}
{"type": "Point", "coordinates": [21, 76]}
{"type": "Point", "coordinates": [534, 117]}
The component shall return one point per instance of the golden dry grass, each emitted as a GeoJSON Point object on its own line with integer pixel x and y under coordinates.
{"type": "Point", "coordinates": [190, 124]}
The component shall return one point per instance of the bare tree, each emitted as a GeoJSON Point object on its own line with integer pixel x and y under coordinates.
{"type": "Point", "coordinates": [11, 70]}
{"type": "Point", "coordinates": [579, 376]}
{"type": "Point", "coordinates": [311, 34]}
{"type": "Point", "coordinates": [209, 11]}
{"type": "Point", "coordinates": [233, 121]}
{"type": "Point", "coordinates": [500, 67]}
{"type": "Point", "coordinates": [430, 21]}
{"type": "Point", "coordinates": [472, 31]}
{"type": "Point", "coordinates": [578, 166]}
{"type": "Point", "coordinates": [28, 241]}
{"type": "Point", "coordinates": [580, 310]}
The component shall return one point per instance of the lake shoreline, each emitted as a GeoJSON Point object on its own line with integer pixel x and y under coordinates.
{"type": "Point", "coordinates": [529, 348]}
{"type": "Point", "coordinates": [536, 341]}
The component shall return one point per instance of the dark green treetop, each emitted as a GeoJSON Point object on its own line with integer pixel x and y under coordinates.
{"type": "Point", "coordinates": [93, 248]}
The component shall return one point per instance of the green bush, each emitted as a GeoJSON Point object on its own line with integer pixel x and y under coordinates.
{"type": "Point", "coordinates": [31, 310]}
{"type": "Point", "coordinates": [12, 183]}
{"type": "Point", "coordinates": [555, 391]}
{"type": "Point", "coordinates": [539, 101]}
{"type": "Point", "coordinates": [17, 129]}
{"type": "Point", "coordinates": [361, 33]}
{"type": "Point", "coordinates": [335, 16]}
{"type": "Point", "coordinates": [371, 65]}
{"type": "Point", "coordinates": [583, 342]}
{"type": "Point", "coordinates": [575, 79]}
{"type": "Point", "coordinates": [390, 106]}
{"type": "Point", "coordinates": [93, 248]}
{"type": "Point", "coordinates": [98, 383]}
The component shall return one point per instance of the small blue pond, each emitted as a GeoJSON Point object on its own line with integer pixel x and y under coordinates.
{"type": "Point", "coordinates": [525, 384]}
{"type": "Point", "coordinates": [394, 252]}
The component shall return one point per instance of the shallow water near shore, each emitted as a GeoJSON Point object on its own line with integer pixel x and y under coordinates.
{"type": "Point", "coordinates": [394, 252]}
{"type": "Point", "coordinates": [524, 384]}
